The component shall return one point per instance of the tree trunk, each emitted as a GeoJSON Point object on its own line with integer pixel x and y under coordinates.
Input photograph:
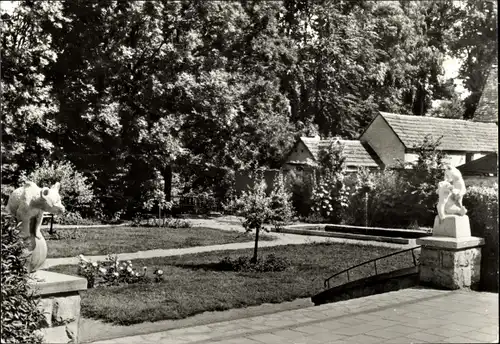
{"type": "Point", "coordinates": [254, 259]}
{"type": "Point", "coordinates": [167, 177]}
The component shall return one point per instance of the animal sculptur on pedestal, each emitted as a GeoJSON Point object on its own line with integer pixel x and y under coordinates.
{"type": "Point", "coordinates": [27, 205]}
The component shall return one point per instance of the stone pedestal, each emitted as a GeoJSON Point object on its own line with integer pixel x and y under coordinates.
{"type": "Point", "coordinates": [452, 226]}
{"type": "Point", "coordinates": [60, 302]}
{"type": "Point", "coordinates": [450, 263]}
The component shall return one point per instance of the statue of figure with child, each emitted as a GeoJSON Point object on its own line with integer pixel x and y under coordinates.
{"type": "Point", "coordinates": [451, 192]}
{"type": "Point", "coordinates": [451, 220]}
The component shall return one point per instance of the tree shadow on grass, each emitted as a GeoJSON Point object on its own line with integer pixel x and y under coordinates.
{"type": "Point", "coordinates": [219, 266]}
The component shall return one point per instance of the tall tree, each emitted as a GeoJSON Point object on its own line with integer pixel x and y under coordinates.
{"type": "Point", "coordinates": [475, 42]}
{"type": "Point", "coordinates": [115, 80]}
{"type": "Point", "coordinates": [27, 104]}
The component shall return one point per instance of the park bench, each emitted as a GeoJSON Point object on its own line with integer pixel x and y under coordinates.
{"type": "Point", "coordinates": [46, 215]}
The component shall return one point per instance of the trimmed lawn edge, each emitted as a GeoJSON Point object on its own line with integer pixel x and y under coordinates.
{"type": "Point", "coordinates": [93, 330]}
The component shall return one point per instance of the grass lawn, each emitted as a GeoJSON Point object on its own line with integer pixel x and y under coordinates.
{"type": "Point", "coordinates": [102, 241]}
{"type": "Point", "coordinates": [193, 284]}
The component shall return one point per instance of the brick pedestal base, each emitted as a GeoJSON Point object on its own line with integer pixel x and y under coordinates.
{"type": "Point", "coordinates": [60, 302]}
{"type": "Point", "coordinates": [450, 263]}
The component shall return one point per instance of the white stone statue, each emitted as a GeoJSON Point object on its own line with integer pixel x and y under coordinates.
{"type": "Point", "coordinates": [27, 205]}
{"type": "Point", "coordinates": [451, 192]}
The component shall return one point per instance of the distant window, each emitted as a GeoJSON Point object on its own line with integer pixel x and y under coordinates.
{"type": "Point", "coordinates": [468, 157]}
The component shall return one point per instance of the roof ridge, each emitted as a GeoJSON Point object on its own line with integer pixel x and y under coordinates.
{"type": "Point", "coordinates": [432, 118]}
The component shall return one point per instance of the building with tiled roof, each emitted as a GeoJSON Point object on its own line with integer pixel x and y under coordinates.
{"type": "Point", "coordinates": [483, 171]}
{"type": "Point", "coordinates": [487, 108]}
{"type": "Point", "coordinates": [485, 166]}
{"type": "Point", "coordinates": [357, 154]}
{"type": "Point", "coordinates": [394, 137]}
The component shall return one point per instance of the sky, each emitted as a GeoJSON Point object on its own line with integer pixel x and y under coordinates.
{"type": "Point", "coordinates": [450, 65]}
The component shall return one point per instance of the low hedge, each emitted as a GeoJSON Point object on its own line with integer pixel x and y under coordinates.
{"type": "Point", "coordinates": [482, 205]}
{"type": "Point", "coordinates": [20, 316]}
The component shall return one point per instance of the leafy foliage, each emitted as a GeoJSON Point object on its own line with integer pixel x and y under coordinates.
{"type": "Point", "coordinates": [399, 197]}
{"type": "Point", "coordinates": [422, 180]}
{"type": "Point", "coordinates": [21, 317]}
{"type": "Point", "coordinates": [112, 273]}
{"type": "Point", "coordinates": [360, 186]}
{"type": "Point", "coordinates": [280, 204]}
{"type": "Point", "coordinates": [475, 42]}
{"type": "Point", "coordinates": [301, 185]}
{"type": "Point", "coordinates": [76, 190]}
{"type": "Point", "coordinates": [253, 205]}
{"type": "Point", "coordinates": [258, 208]}
{"type": "Point", "coordinates": [127, 91]}
{"type": "Point", "coordinates": [482, 206]}
{"type": "Point", "coordinates": [330, 194]}
{"type": "Point", "coordinates": [270, 263]}
{"type": "Point", "coordinates": [27, 105]}
{"type": "Point", "coordinates": [166, 222]}
{"type": "Point", "coordinates": [453, 108]}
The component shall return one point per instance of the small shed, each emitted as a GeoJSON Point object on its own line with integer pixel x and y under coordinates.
{"type": "Point", "coordinates": [305, 154]}
{"type": "Point", "coordinates": [483, 171]}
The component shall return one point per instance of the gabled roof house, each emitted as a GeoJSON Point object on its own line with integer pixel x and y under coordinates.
{"type": "Point", "coordinates": [305, 153]}
{"type": "Point", "coordinates": [394, 137]}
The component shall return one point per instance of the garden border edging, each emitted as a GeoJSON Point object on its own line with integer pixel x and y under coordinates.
{"type": "Point", "coordinates": [403, 241]}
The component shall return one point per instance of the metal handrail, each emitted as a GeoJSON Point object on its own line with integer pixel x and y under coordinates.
{"type": "Point", "coordinates": [374, 260]}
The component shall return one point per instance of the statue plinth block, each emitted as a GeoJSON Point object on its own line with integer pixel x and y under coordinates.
{"type": "Point", "coordinates": [450, 263]}
{"type": "Point", "coordinates": [60, 302]}
{"type": "Point", "coordinates": [452, 226]}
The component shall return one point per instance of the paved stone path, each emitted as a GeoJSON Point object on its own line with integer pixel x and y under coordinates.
{"type": "Point", "coordinates": [415, 315]}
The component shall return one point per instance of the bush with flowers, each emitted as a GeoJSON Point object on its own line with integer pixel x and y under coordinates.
{"type": "Point", "coordinates": [330, 195]}
{"type": "Point", "coordinates": [112, 272]}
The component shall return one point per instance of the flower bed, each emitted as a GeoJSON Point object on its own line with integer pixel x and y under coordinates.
{"type": "Point", "coordinates": [112, 272]}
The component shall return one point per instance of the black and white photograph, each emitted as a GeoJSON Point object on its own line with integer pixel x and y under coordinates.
{"type": "Point", "coordinates": [249, 171]}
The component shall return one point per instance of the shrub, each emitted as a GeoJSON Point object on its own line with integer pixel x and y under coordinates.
{"type": "Point", "coordinates": [269, 263]}
{"type": "Point", "coordinates": [280, 203]}
{"type": "Point", "coordinates": [73, 218]}
{"type": "Point", "coordinates": [20, 316]}
{"type": "Point", "coordinates": [154, 194]}
{"type": "Point", "coordinates": [140, 221]}
{"type": "Point", "coordinates": [330, 195]}
{"type": "Point", "coordinates": [360, 186]}
{"type": "Point", "coordinates": [314, 218]}
{"type": "Point", "coordinates": [6, 191]}
{"type": "Point", "coordinates": [402, 197]}
{"type": "Point", "coordinates": [385, 200]}
{"type": "Point", "coordinates": [482, 205]}
{"type": "Point", "coordinates": [301, 185]}
{"type": "Point", "coordinates": [421, 183]}
{"type": "Point", "coordinates": [111, 272]}
{"type": "Point", "coordinates": [255, 206]}
{"type": "Point", "coordinates": [76, 190]}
